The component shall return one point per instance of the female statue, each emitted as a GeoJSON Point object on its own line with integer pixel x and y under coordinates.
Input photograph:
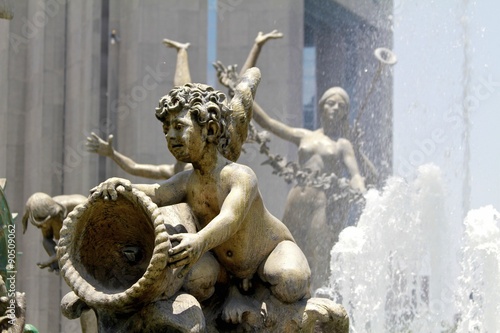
{"type": "Point", "coordinates": [312, 213]}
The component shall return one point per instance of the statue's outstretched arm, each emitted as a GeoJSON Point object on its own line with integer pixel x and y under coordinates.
{"type": "Point", "coordinates": [50, 247]}
{"type": "Point", "coordinates": [182, 73]}
{"type": "Point", "coordinates": [229, 76]}
{"type": "Point", "coordinates": [260, 40]}
{"type": "Point", "coordinates": [349, 158]}
{"type": "Point", "coordinates": [105, 148]}
{"type": "Point", "coordinates": [288, 133]}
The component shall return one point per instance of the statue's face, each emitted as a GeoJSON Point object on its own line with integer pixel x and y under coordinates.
{"type": "Point", "coordinates": [186, 139]}
{"type": "Point", "coordinates": [334, 110]}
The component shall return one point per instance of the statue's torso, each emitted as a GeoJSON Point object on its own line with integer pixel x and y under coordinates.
{"type": "Point", "coordinates": [318, 152]}
{"type": "Point", "coordinates": [257, 233]}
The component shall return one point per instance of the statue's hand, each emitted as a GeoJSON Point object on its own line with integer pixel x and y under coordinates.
{"type": "Point", "coordinates": [54, 267]}
{"type": "Point", "coordinates": [42, 264]}
{"type": "Point", "coordinates": [97, 145]}
{"type": "Point", "coordinates": [357, 183]}
{"type": "Point", "coordinates": [107, 189]}
{"type": "Point", "coordinates": [51, 264]}
{"type": "Point", "coordinates": [228, 76]}
{"type": "Point", "coordinates": [262, 38]}
{"type": "Point", "coordinates": [189, 249]}
{"type": "Point", "coordinates": [172, 43]}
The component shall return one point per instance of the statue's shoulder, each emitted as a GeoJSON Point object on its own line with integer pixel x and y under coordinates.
{"type": "Point", "coordinates": [238, 173]}
{"type": "Point", "coordinates": [238, 169]}
{"type": "Point", "coordinates": [344, 143]}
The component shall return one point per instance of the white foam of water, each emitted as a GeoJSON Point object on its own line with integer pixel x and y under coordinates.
{"type": "Point", "coordinates": [397, 270]}
{"type": "Point", "coordinates": [479, 281]}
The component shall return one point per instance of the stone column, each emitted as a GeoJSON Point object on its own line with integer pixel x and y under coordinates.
{"type": "Point", "coordinates": [82, 94]}
{"type": "Point", "coordinates": [42, 144]}
{"type": "Point", "coordinates": [45, 133]}
{"type": "Point", "coordinates": [4, 93]}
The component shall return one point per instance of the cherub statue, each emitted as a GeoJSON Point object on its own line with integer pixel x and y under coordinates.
{"type": "Point", "coordinates": [233, 222]}
{"type": "Point", "coordinates": [47, 213]}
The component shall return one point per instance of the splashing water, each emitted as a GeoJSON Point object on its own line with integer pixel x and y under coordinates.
{"type": "Point", "coordinates": [479, 292]}
{"type": "Point", "coordinates": [403, 268]}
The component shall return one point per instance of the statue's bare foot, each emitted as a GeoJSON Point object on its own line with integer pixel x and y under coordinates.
{"type": "Point", "coordinates": [239, 309]}
{"type": "Point", "coordinates": [174, 44]}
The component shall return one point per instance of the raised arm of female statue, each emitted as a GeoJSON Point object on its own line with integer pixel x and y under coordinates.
{"type": "Point", "coordinates": [97, 145]}
{"type": "Point", "coordinates": [292, 134]}
{"type": "Point", "coordinates": [260, 40]}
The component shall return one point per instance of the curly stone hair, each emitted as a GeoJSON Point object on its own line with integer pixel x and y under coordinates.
{"type": "Point", "coordinates": [205, 104]}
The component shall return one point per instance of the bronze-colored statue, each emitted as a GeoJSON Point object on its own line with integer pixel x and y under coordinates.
{"type": "Point", "coordinates": [47, 213]}
{"type": "Point", "coordinates": [232, 219]}
{"type": "Point", "coordinates": [236, 243]}
{"type": "Point", "coordinates": [314, 214]}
